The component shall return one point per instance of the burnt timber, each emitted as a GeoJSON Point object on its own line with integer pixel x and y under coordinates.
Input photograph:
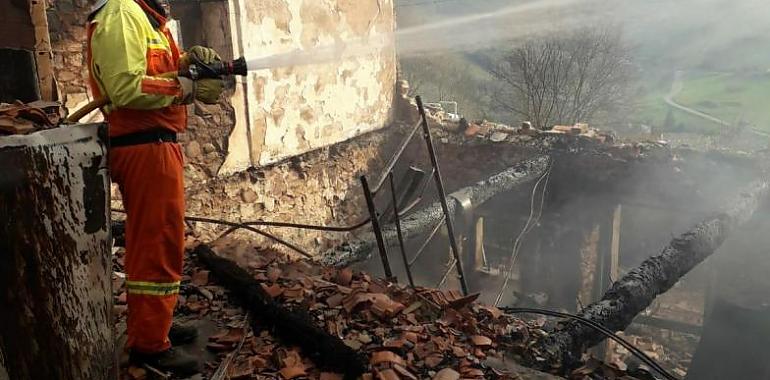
{"type": "Point", "coordinates": [636, 290]}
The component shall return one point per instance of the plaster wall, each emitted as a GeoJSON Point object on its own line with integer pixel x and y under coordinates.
{"type": "Point", "coordinates": [287, 111]}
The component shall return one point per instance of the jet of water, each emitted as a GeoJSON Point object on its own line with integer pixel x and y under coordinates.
{"type": "Point", "coordinates": [472, 31]}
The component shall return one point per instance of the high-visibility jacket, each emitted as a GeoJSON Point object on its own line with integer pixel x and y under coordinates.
{"type": "Point", "coordinates": [129, 47]}
{"type": "Point", "coordinates": [129, 50]}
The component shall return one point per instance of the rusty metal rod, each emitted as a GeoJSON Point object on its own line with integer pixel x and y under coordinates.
{"type": "Point", "coordinates": [375, 218]}
{"type": "Point", "coordinates": [394, 159]}
{"type": "Point", "coordinates": [442, 197]}
{"type": "Point", "coordinates": [400, 235]}
{"type": "Point", "coordinates": [427, 241]}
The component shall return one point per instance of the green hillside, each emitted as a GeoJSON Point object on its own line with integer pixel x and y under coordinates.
{"type": "Point", "coordinates": [730, 97]}
{"type": "Point", "coordinates": [700, 37]}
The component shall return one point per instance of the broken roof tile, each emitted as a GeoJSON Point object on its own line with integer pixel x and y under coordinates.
{"type": "Point", "coordinates": [273, 291]}
{"type": "Point", "coordinates": [447, 374]}
{"type": "Point", "coordinates": [434, 359]}
{"type": "Point", "coordinates": [386, 357]}
{"type": "Point", "coordinates": [387, 374]}
{"type": "Point", "coordinates": [292, 372]}
{"type": "Point", "coordinates": [404, 372]}
{"type": "Point", "coordinates": [481, 341]}
{"type": "Point", "coordinates": [200, 278]}
{"type": "Point", "coordinates": [438, 328]}
{"type": "Point", "coordinates": [344, 277]}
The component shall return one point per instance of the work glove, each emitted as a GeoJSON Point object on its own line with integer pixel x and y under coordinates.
{"type": "Point", "coordinates": [188, 90]}
{"type": "Point", "coordinates": [201, 54]}
{"type": "Point", "coordinates": [204, 90]}
{"type": "Point", "coordinates": [209, 90]}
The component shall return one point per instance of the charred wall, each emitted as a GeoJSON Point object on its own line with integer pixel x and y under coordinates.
{"type": "Point", "coordinates": [26, 72]}
{"type": "Point", "coordinates": [67, 28]}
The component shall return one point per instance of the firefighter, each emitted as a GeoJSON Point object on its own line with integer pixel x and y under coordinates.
{"type": "Point", "coordinates": [133, 60]}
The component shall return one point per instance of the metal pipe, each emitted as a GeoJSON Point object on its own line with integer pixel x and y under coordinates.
{"type": "Point", "coordinates": [427, 241]}
{"type": "Point", "coordinates": [446, 274]}
{"type": "Point", "coordinates": [235, 226]}
{"type": "Point", "coordinates": [442, 196]}
{"type": "Point", "coordinates": [377, 228]}
{"type": "Point", "coordinates": [400, 235]}
{"type": "Point", "coordinates": [393, 160]}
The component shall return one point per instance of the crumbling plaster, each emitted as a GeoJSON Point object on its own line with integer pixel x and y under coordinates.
{"type": "Point", "coordinates": [284, 112]}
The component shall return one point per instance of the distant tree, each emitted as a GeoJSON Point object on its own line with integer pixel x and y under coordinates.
{"type": "Point", "coordinates": [566, 78]}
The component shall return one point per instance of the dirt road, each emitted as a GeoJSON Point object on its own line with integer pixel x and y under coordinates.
{"type": "Point", "coordinates": [678, 86]}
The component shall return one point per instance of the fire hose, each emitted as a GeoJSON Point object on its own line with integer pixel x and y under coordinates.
{"type": "Point", "coordinates": [196, 70]}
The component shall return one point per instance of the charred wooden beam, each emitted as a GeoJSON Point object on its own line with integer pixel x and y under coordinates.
{"type": "Point", "coordinates": [291, 326]}
{"type": "Point", "coordinates": [423, 221]}
{"type": "Point", "coordinates": [635, 291]}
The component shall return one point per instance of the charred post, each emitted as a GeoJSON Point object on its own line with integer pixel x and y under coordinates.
{"type": "Point", "coordinates": [636, 291]}
{"type": "Point", "coordinates": [55, 265]}
{"type": "Point", "coordinates": [291, 326]}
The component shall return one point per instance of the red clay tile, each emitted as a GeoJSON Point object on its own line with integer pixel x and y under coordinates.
{"type": "Point", "coordinates": [387, 374]}
{"type": "Point", "coordinates": [200, 278]}
{"type": "Point", "coordinates": [481, 341]}
{"type": "Point", "coordinates": [293, 372]}
{"type": "Point", "coordinates": [386, 357]}
{"type": "Point", "coordinates": [447, 374]}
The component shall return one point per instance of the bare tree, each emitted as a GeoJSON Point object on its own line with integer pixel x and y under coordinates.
{"type": "Point", "coordinates": [566, 78]}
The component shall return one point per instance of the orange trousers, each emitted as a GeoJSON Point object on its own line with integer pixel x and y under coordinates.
{"type": "Point", "coordinates": [150, 178]}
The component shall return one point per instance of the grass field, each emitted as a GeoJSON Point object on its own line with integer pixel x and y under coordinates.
{"type": "Point", "coordinates": [652, 110]}
{"type": "Point", "coordinates": [730, 97]}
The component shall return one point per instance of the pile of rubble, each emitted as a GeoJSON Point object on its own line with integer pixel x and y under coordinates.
{"type": "Point", "coordinates": [21, 119]}
{"type": "Point", "coordinates": [402, 333]}
{"type": "Point", "coordinates": [498, 133]}
{"type": "Point", "coordinates": [673, 350]}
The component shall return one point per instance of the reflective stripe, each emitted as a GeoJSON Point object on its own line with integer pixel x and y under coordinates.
{"type": "Point", "coordinates": [158, 46]}
{"type": "Point", "coordinates": [158, 42]}
{"type": "Point", "coordinates": [152, 288]}
{"type": "Point", "coordinates": [160, 86]}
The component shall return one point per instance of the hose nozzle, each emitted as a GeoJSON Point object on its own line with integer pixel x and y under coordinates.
{"type": "Point", "coordinates": [200, 70]}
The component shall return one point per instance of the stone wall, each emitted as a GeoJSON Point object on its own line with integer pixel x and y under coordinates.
{"type": "Point", "coordinates": [321, 187]}
{"type": "Point", "coordinates": [67, 27]}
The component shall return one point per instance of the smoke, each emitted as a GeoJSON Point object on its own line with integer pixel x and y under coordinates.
{"type": "Point", "coordinates": [660, 202]}
{"type": "Point", "coordinates": [680, 29]}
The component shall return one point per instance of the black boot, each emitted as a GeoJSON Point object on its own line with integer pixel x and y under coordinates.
{"type": "Point", "coordinates": [180, 335]}
{"type": "Point", "coordinates": [177, 362]}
